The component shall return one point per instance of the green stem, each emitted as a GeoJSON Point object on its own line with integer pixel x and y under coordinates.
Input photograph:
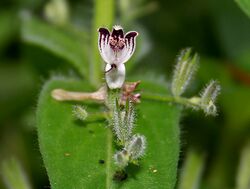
{"type": "Point", "coordinates": [13, 175]}
{"type": "Point", "coordinates": [192, 171]}
{"type": "Point", "coordinates": [104, 16]}
{"type": "Point", "coordinates": [174, 99]}
{"type": "Point", "coordinates": [98, 116]}
{"type": "Point", "coordinates": [243, 176]}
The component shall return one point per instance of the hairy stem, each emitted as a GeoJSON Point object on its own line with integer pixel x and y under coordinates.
{"type": "Point", "coordinates": [165, 98]}
{"type": "Point", "coordinates": [98, 116]}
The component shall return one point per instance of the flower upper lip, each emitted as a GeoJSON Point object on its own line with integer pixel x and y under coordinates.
{"type": "Point", "coordinates": [116, 48]}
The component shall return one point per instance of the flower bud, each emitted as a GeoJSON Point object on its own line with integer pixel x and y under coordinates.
{"type": "Point", "coordinates": [128, 93]}
{"type": "Point", "coordinates": [136, 146]}
{"type": "Point", "coordinates": [184, 70]}
{"type": "Point", "coordinates": [121, 158]}
{"type": "Point", "coordinates": [208, 97]}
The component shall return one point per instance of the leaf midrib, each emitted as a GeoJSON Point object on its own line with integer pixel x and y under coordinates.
{"type": "Point", "coordinates": [109, 157]}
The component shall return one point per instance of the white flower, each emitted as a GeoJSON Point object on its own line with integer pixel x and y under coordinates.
{"type": "Point", "coordinates": [116, 49]}
{"type": "Point", "coordinates": [115, 75]}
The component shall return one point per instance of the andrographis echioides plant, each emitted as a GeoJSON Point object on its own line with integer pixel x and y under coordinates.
{"type": "Point", "coordinates": [116, 48]}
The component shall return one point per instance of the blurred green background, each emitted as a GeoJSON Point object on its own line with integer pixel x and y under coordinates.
{"type": "Point", "coordinates": [218, 30]}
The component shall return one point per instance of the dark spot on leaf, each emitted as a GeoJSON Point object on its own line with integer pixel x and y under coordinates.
{"type": "Point", "coordinates": [120, 176]}
{"type": "Point", "coordinates": [91, 132]}
{"type": "Point", "coordinates": [101, 161]}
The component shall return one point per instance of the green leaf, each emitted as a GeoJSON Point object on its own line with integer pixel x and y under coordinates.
{"type": "Point", "coordinates": [63, 44]}
{"type": "Point", "coordinates": [244, 5]}
{"type": "Point", "coordinates": [71, 151]}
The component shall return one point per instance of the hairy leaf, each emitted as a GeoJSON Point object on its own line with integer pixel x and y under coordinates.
{"type": "Point", "coordinates": [80, 155]}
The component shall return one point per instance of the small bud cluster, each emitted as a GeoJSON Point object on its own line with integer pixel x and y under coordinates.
{"type": "Point", "coordinates": [184, 71]}
{"type": "Point", "coordinates": [123, 122]}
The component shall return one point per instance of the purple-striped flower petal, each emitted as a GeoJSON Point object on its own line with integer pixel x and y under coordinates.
{"type": "Point", "coordinates": [115, 48]}
{"type": "Point", "coordinates": [103, 45]}
{"type": "Point", "coordinates": [130, 45]}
